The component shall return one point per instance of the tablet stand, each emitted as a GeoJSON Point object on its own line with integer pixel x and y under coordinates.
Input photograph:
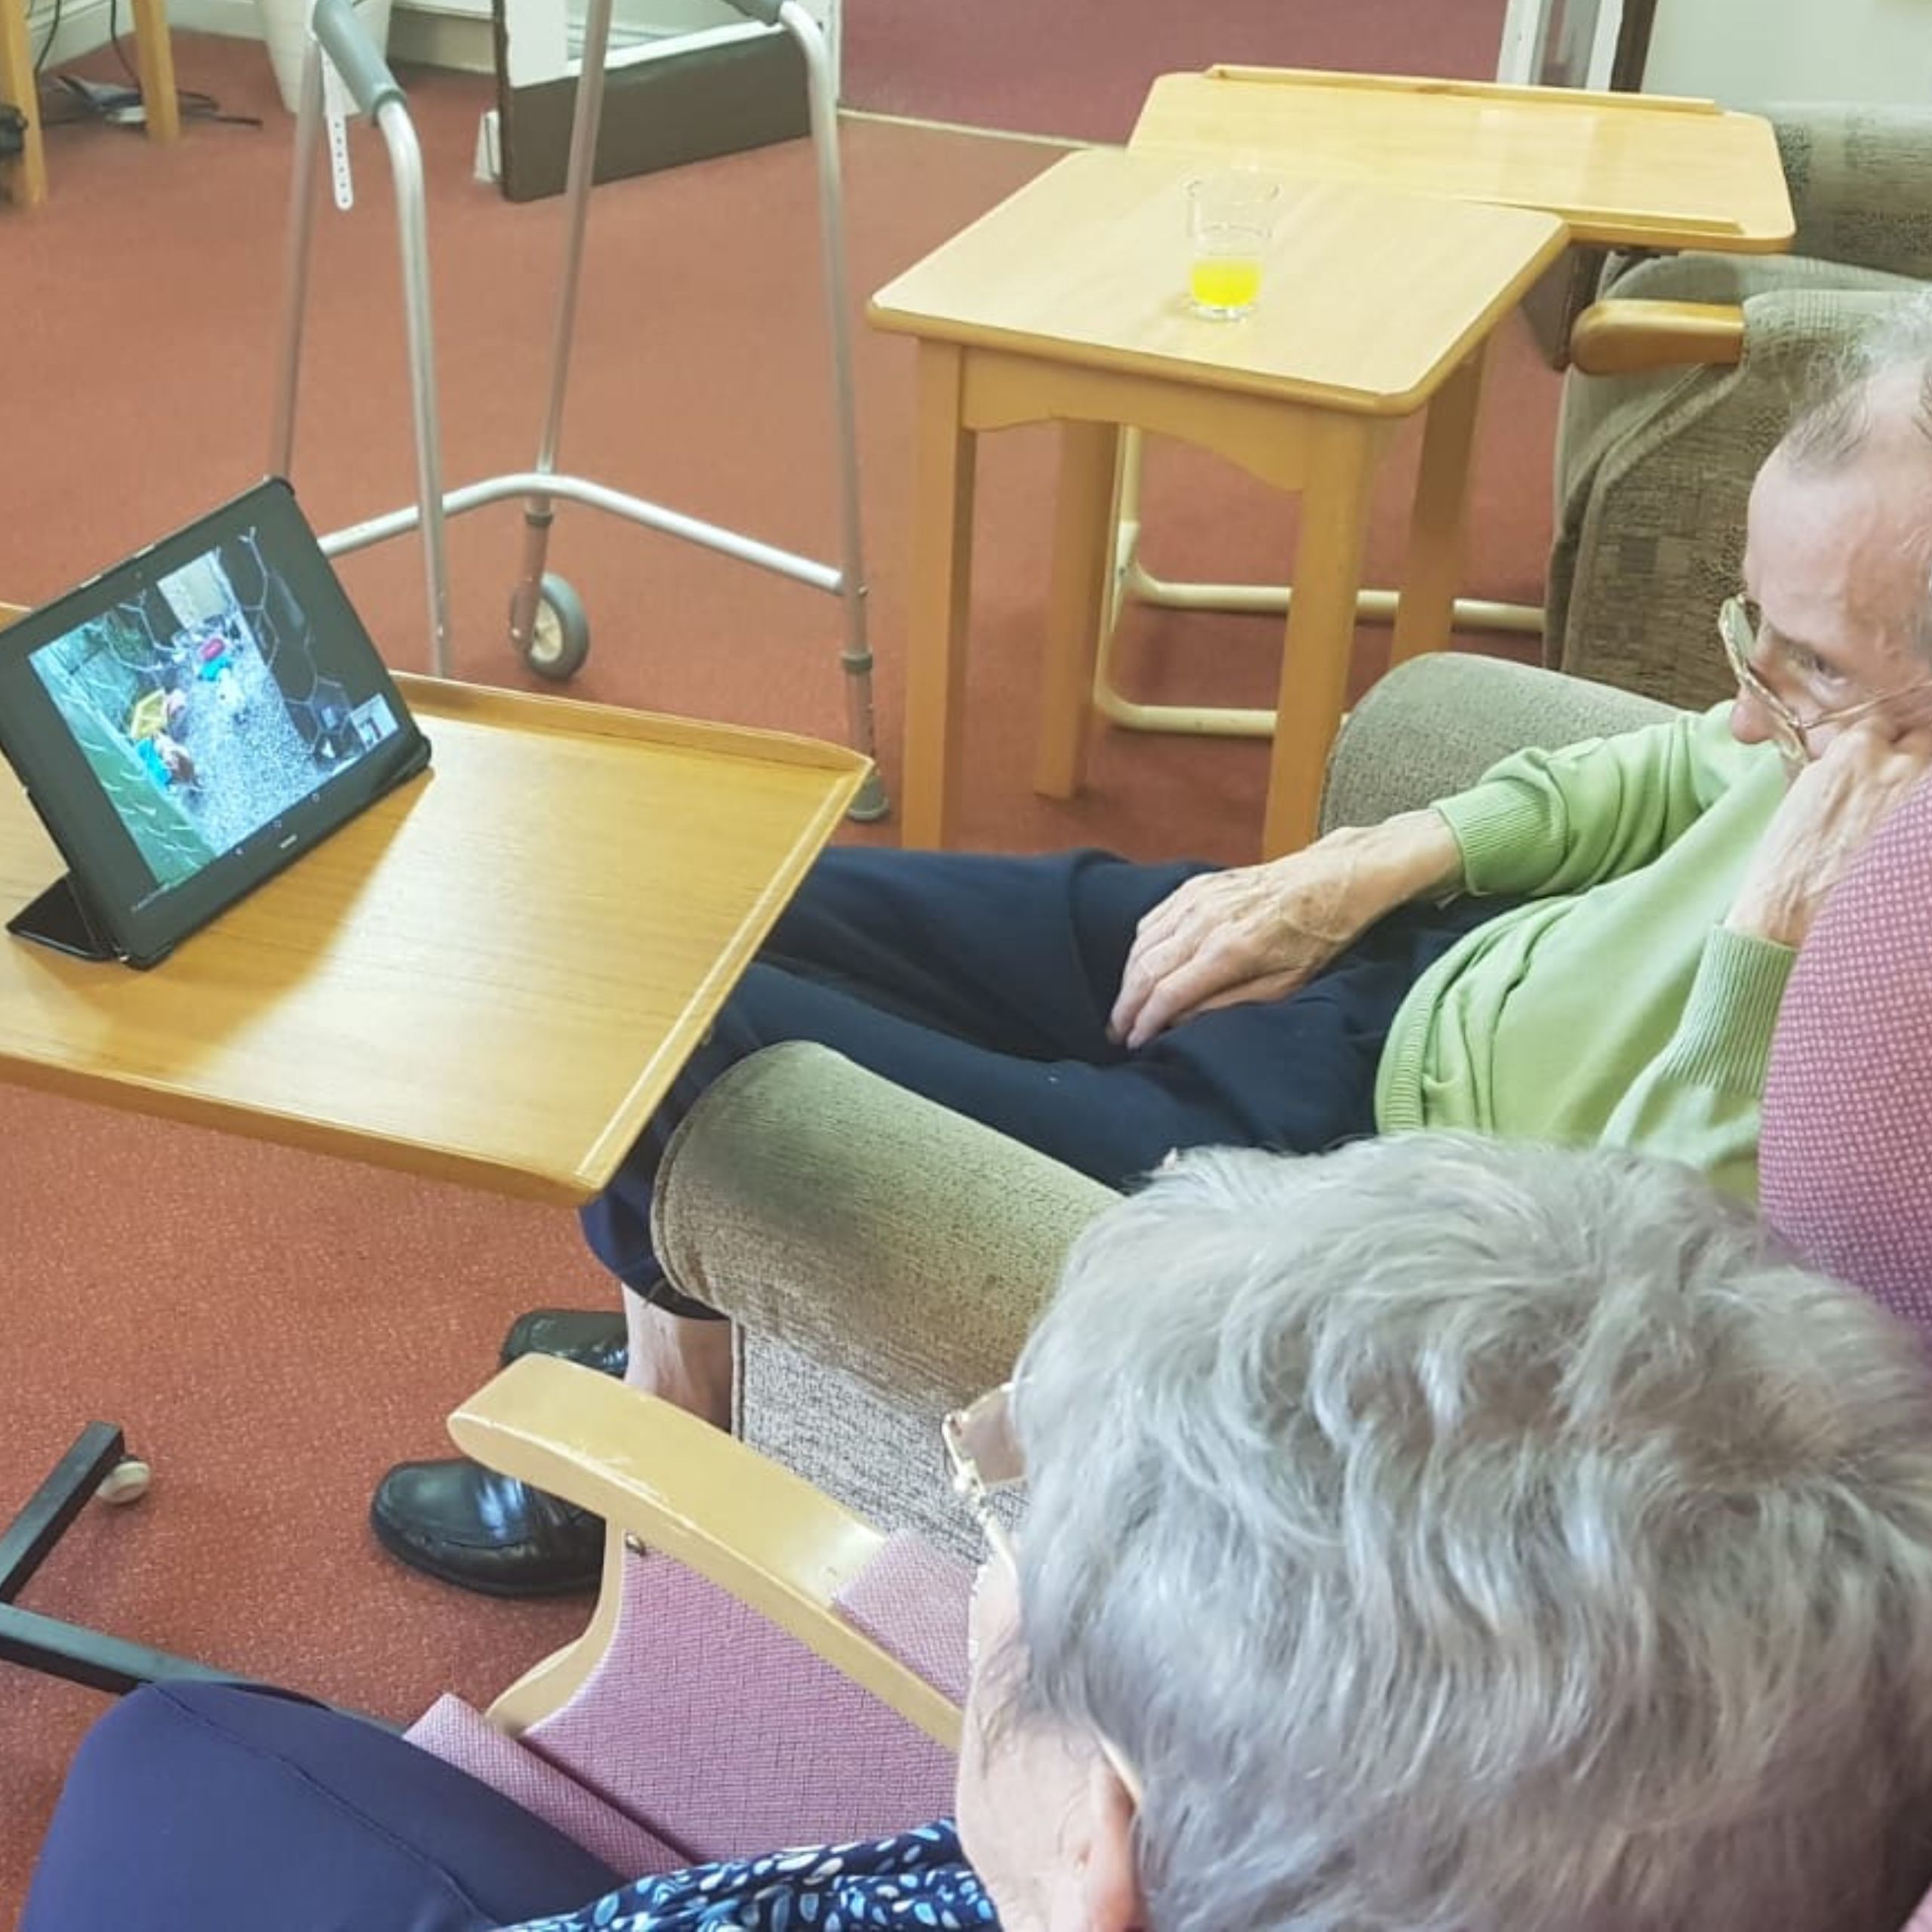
{"type": "Point", "coordinates": [59, 918]}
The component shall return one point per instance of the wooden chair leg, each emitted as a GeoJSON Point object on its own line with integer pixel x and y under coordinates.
{"type": "Point", "coordinates": [1083, 563]}
{"type": "Point", "coordinates": [153, 53]}
{"type": "Point", "coordinates": [1432, 565]}
{"type": "Point", "coordinates": [939, 602]}
{"type": "Point", "coordinates": [23, 180]}
{"type": "Point", "coordinates": [1322, 627]}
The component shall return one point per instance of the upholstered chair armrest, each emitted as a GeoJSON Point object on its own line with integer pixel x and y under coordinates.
{"type": "Point", "coordinates": [1438, 723]}
{"type": "Point", "coordinates": [832, 1212]}
{"type": "Point", "coordinates": [700, 1497]}
{"type": "Point", "coordinates": [1860, 179]}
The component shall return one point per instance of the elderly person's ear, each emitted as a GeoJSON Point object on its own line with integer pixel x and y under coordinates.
{"type": "Point", "coordinates": [1097, 1890]}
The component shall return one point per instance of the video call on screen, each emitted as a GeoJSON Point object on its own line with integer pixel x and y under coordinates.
{"type": "Point", "coordinates": [205, 707]}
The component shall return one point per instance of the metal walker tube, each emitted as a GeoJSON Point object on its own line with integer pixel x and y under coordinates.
{"type": "Point", "coordinates": [585, 122]}
{"type": "Point", "coordinates": [856, 658]}
{"type": "Point", "coordinates": [375, 91]}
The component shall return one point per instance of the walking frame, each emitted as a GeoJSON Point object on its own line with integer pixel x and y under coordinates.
{"type": "Point", "coordinates": [548, 627]}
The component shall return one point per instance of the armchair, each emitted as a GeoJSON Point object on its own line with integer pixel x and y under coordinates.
{"type": "Point", "coordinates": [1682, 379]}
{"type": "Point", "coordinates": [915, 1292]}
{"type": "Point", "coordinates": [884, 1258]}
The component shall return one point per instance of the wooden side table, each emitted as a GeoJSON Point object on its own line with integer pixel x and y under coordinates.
{"type": "Point", "coordinates": [24, 179]}
{"type": "Point", "coordinates": [1068, 303]}
{"type": "Point", "coordinates": [1626, 170]}
{"type": "Point", "coordinates": [490, 977]}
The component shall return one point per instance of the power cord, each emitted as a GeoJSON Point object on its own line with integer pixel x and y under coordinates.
{"type": "Point", "coordinates": [90, 101]}
{"type": "Point", "coordinates": [47, 45]}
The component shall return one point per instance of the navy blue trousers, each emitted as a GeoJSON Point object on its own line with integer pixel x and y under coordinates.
{"type": "Point", "coordinates": [984, 982]}
{"type": "Point", "coordinates": [200, 1807]}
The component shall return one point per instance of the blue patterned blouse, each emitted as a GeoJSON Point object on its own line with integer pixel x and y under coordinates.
{"type": "Point", "coordinates": [918, 1880]}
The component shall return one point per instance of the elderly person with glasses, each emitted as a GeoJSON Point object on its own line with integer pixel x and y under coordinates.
{"type": "Point", "coordinates": [1428, 1534]}
{"type": "Point", "coordinates": [1589, 946]}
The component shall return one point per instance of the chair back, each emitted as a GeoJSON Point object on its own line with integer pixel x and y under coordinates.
{"type": "Point", "coordinates": [705, 1732]}
{"type": "Point", "coordinates": [1845, 1164]}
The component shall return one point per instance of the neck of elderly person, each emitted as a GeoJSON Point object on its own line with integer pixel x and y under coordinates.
{"type": "Point", "coordinates": [1443, 1536]}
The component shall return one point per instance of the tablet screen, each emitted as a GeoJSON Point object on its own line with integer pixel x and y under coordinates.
{"type": "Point", "coordinates": [189, 722]}
{"type": "Point", "coordinates": [204, 704]}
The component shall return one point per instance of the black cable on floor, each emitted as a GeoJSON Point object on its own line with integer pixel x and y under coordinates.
{"type": "Point", "coordinates": [194, 105]}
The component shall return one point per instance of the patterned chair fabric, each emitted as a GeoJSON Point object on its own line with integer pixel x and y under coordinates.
{"type": "Point", "coordinates": [705, 1732]}
{"type": "Point", "coordinates": [1653, 472]}
{"type": "Point", "coordinates": [1845, 1168]}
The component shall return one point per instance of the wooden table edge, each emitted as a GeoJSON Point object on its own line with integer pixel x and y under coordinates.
{"type": "Point", "coordinates": [1175, 369]}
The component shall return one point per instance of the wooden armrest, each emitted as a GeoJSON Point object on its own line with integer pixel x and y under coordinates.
{"type": "Point", "coordinates": [1626, 337]}
{"type": "Point", "coordinates": [779, 1545]}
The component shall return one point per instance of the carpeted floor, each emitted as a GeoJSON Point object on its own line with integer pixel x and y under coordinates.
{"type": "Point", "coordinates": [1079, 68]}
{"type": "Point", "coordinates": [274, 1329]}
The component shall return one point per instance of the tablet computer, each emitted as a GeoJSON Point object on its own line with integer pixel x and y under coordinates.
{"type": "Point", "coordinates": [191, 722]}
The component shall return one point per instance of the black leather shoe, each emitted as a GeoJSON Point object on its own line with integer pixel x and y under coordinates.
{"type": "Point", "coordinates": [594, 1337]}
{"type": "Point", "coordinates": [464, 1524]}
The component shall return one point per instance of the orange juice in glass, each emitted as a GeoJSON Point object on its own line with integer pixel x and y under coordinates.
{"type": "Point", "coordinates": [1230, 219]}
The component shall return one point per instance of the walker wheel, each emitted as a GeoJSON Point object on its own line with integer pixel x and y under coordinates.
{"type": "Point", "coordinates": [560, 635]}
{"type": "Point", "coordinates": [126, 1482]}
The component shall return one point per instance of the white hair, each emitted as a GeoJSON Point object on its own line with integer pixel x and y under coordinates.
{"type": "Point", "coordinates": [1464, 1538]}
{"type": "Point", "coordinates": [1835, 421]}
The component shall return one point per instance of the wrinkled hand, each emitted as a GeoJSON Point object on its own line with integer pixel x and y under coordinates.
{"type": "Point", "coordinates": [1834, 807]}
{"type": "Point", "coordinates": [1258, 932]}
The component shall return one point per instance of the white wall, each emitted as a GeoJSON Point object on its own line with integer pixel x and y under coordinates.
{"type": "Point", "coordinates": [1745, 53]}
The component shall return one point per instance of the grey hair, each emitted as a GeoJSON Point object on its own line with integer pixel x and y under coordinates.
{"type": "Point", "coordinates": [1834, 420]}
{"type": "Point", "coordinates": [1460, 1538]}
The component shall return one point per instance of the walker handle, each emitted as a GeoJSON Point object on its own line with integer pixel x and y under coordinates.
{"type": "Point", "coordinates": [364, 71]}
{"type": "Point", "coordinates": [763, 10]}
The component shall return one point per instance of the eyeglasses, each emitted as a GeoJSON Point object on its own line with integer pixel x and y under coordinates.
{"type": "Point", "coordinates": [984, 1458]}
{"type": "Point", "coordinates": [1741, 624]}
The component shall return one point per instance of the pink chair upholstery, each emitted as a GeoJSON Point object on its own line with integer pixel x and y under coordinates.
{"type": "Point", "coordinates": [1845, 1166]}
{"type": "Point", "coordinates": [707, 1733]}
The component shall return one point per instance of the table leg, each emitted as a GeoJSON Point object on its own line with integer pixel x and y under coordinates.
{"type": "Point", "coordinates": [23, 180]}
{"type": "Point", "coordinates": [1432, 565]}
{"type": "Point", "coordinates": [153, 53]}
{"type": "Point", "coordinates": [1083, 563]}
{"type": "Point", "coordinates": [940, 596]}
{"type": "Point", "coordinates": [1321, 625]}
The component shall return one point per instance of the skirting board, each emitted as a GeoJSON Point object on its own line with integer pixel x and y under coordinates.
{"type": "Point", "coordinates": [84, 26]}
{"type": "Point", "coordinates": [658, 113]}
{"type": "Point", "coordinates": [240, 19]}
{"type": "Point", "coordinates": [82, 29]}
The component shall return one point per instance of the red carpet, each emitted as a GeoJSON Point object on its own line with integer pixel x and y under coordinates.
{"type": "Point", "coordinates": [273, 1329]}
{"type": "Point", "coordinates": [1079, 68]}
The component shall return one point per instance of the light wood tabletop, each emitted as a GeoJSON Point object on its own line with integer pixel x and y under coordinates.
{"type": "Point", "coordinates": [1067, 304]}
{"type": "Point", "coordinates": [1368, 298]}
{"type": "Point", "coordinates": [491, 977]}
{"type": "Point", "coordinates": [1622, 170]}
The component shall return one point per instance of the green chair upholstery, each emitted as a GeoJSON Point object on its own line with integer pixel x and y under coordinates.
{"type": "Point", "coordinates": [1653, 471]}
